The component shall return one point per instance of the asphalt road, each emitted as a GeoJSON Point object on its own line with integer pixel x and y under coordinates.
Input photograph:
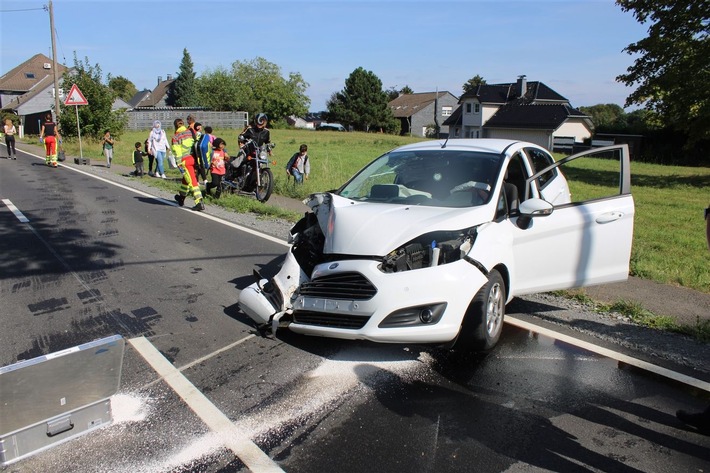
{"type": "Point", "coordinates": [201, 391]}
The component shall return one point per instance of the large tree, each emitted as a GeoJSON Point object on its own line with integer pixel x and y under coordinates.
{"type": "Point", "coordinates": [266, 90]}
{"type": "Point", "coordinates": [362, 103]}
{"type": "Point", "coordinates": [122, 87]}
{"type": "Point", "coordinates": [604, 115]}
{"type": "Point", "coordinates": [183, 92]}
{"type": "Point", "coordinates": [97, 116]}
{"type": "Point", "coordinates": [672, 68]}
{"type": "Point", "coordinates": [473, 82]}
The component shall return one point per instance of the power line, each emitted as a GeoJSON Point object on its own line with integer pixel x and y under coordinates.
{"type": "Point", "coordinates": [24, 9]}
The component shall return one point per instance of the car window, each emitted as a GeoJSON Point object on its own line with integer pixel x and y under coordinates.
{"type": "Point", "coordinates": [594, 175]}
{"type": "Point", "coordinates": [439, 178]}
{"type": "Point", "coordinates": [540, 160]}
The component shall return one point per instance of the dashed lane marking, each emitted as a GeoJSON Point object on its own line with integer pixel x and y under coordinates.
{"type": "Point", "coordinates": [614, 355]}
{"type": "Point", "coordinates": [20, 216]}
{"type": "Point", "coordinates": [246, 450]}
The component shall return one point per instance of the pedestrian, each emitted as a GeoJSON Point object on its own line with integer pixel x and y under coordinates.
{"type": "Point", "coordinates": [217, 167]}
{"type": "Point", "coordinates": [299, 166]}
{"type": "Point", "coordinates": [202, 164]}
{"type": "Point", "coordinates": [138, 159]}
{"type": "Point", "coordinates": [158, 145]}
{"type": "Point", "coordinates": [49, 135]}
{"type": "Point", "coordinates": [181, 146]}
{"type": "Point", "coordinates": [10, 131]}
{"type": "Point", "coordinates": [204, 150]}
{"type": "Point", "coordinates": [699, 420]}
{"type": "Point", "coordinates": [149, 153]}
{"type": "Point", "coordinates": [108, 143]}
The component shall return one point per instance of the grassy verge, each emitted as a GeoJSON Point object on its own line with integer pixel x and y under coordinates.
{"type": "Point", "coordinates": [640, 316]}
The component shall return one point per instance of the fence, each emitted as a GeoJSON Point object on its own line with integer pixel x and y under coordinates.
{"type": "Point", "coordinates": [143, 119]}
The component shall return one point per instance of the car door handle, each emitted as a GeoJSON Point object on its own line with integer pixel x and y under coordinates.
{"type": "Point", "coordinates": [609, 217]}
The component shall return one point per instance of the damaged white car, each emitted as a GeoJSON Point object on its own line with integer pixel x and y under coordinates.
{"type": "Point", "coordinates": [430, 241]}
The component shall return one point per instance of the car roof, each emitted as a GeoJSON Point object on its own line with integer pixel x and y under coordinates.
{"type": "Point", "coordinates": [487, 145]}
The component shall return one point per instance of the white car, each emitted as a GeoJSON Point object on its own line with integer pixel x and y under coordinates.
{"type": "Point", "coordinates": [430, 241]}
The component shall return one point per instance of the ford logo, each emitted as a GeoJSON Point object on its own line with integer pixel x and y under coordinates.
{"type": "Point", "coordinates": [333, 266]}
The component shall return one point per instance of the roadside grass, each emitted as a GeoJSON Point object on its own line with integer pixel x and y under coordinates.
{"type": "Point", "coordinates": [669, 237]}
{"type": "Point", "coordinates": [640, 316]}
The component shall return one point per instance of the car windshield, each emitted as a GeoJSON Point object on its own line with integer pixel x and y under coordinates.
{"type": "Point", "coordinates": [437, 178]}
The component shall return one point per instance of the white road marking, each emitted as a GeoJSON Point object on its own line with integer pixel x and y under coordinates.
{"type": "Point", "coordinates": [20, 216]}
{"type": "Point", "coordinates": [246, 450]}
{"type": "Point", "coordinates": [614, 355]}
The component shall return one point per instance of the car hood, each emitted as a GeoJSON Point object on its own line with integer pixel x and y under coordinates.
{"type": "Point", "coordinates": [375, 229]}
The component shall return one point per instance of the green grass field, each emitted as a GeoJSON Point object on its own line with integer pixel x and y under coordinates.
{"type": "Point", "coordinates": [669, 236]}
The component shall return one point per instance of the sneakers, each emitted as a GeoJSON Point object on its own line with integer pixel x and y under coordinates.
{"type": "Point", "coordinates": [163, 176]}
{"type": "Point", "coordinates": [180, 199]}
{"type": "Point", "coordinates": [199, 207]}
{"type": "Point", "coordinates": [54, 164]}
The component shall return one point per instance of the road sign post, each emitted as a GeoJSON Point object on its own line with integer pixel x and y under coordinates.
{"type": "Point", "coordinates": [76, 98]}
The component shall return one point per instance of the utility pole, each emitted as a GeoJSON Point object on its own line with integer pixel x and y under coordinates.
{"type": "Point", "coordinates": [54, 61]}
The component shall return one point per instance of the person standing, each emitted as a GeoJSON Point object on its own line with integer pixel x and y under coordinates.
{"type": "Point", "coordinates": [108, 143]}
{"type": "Point", "coordinates": [138, 159]}
{"type": "Point", "coordinates": [299, 166]}
{"type": "Point", "coordinates": [181, 146]}
{"type": "Point", "coordinates": [10, 131]}
{"type": "Point", "coordinates": [49, 135]}
{"type": "Point", "coordinates": [217, 167]}
{"type": "Point", "coordinates": [158, 145]}
{"type": "Point", "coordinates": [204, 149]}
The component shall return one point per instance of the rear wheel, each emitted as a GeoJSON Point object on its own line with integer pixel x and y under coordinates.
{"type": "Point", "coordinates": [266, 185]}
{"type": "Point", "coordinates": [483, 322]}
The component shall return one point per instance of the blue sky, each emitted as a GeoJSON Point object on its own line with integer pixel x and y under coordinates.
{"type": "Point", "coordinates": [573, 46]}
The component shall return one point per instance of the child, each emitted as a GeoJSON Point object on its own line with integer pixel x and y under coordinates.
{"type": "Point", "coordinates": [298, 166]}
{"type": "Point", "coordinates": [138, 159]}
{"type": "Point", "coordinates": [217, 166]}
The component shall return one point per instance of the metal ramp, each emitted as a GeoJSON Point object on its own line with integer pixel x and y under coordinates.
{"type": "Point", "coordinates": [57, 397]}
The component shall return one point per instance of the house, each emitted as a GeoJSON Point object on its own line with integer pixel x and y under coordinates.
{"type": "Point", "coordinates": [522, 110]}
{"type": "Point", "coordinates": [157, 98]}
{"type": "Point", "coordinates": [415, 112]}
{"type": "Point", "coordinates": [28, 90]}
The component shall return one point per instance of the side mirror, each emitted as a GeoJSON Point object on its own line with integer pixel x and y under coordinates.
{"type": "Point", "coordinates": [532, 208]}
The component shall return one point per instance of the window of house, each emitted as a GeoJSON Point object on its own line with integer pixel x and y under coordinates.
{"type": "Point", "coordinates": [446, 111]}
{"type": "Point", "coordinates": [477, 108]}
{"type": "Point", "coordinates": [456, 132]}
{"type": "Point", "coordinates": [29, 75]}
{"type": "Point", "coordinates": [468, 108]}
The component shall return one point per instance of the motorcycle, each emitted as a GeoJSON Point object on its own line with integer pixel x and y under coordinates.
{"type": "Point", "coordinates": [249, 172]}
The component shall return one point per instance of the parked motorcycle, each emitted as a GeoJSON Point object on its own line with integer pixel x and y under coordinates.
{"type": "Point", "coordinates": [249, 172]}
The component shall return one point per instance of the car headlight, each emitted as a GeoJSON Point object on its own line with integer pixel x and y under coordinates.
{"type": "Point", "coordinates": [430, 249]}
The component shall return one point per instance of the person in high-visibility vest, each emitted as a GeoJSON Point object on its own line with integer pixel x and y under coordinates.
{"type": "Point", "coordinates": [182, 142]}
{"type": "Point", "coordinates": [49, 135]}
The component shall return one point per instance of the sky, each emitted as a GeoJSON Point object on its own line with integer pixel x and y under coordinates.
{"type": "Point", "coordinates": [573, 46]}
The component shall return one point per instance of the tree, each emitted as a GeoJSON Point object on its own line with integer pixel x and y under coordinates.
{"type": "Point", "coordinates": [183, 92]}
{"type": "Point", "coordinates": [122, 87]}
{"type": "Point", "coordinates": [219, 90]}
{"type": "Point", "coordinates": [264, 89]}
{"type": "Point", "coordinates": [362, 103]}
{"type": "Point", "coordinates": [672, 68]}
{"type": "Point", "coordinates": [393, 93]}
{"type": "Point", "coordinates": [473, 82]}
{"type": "Point", "coordinates": [97, 116]}
{"type": "Point", "coordinates": [604, 115]}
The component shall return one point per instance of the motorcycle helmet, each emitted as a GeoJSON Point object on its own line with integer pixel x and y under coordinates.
{"type": "Point", "coordinates": [241, 139]}
{"type": "Point", "coordinates": [261, 119]}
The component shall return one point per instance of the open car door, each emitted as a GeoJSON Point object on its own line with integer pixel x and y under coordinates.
{"type": "Point", "coordinates": [586, 241]}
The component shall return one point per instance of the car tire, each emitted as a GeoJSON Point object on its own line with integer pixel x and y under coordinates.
{"type": "Point", "coordinates": [483, 321]}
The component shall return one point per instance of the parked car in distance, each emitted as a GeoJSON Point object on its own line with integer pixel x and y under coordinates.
{"type": "Point", "coordinates": [430, 241]}
{"type": "Point", "coordinates": [331, 126]}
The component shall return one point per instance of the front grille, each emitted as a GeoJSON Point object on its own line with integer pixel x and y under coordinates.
{"type": "Point", "coordinates": [321, 319]}
{"type": "Point", "coordinates": [343, 286]}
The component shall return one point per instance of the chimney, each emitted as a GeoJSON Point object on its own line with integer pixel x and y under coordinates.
{"type": "Point", "coordinates": [170, 77]}
{"type": "Point", "coordinates": [160, 79]}
{"type": "Point", "coordinates": [522, 85]}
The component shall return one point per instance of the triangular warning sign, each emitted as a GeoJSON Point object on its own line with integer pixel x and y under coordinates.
{"type": "Point", "coordinates": [75, 97]}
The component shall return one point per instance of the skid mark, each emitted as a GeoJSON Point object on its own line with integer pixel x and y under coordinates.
{"type": "Point", "coordinates": [48, 306]}
{"type": "Point", "coordinates": [108, 233]}
{"type": "Point", "coordinates": [18, 286]}
{"type": "Point", "coordinates": [91, 296]}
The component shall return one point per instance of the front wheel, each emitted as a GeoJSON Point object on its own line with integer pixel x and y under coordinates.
{"type": "Point", "coordinates": [266, 185]}
{"type": "Point", "coordinates": [483, 322]}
